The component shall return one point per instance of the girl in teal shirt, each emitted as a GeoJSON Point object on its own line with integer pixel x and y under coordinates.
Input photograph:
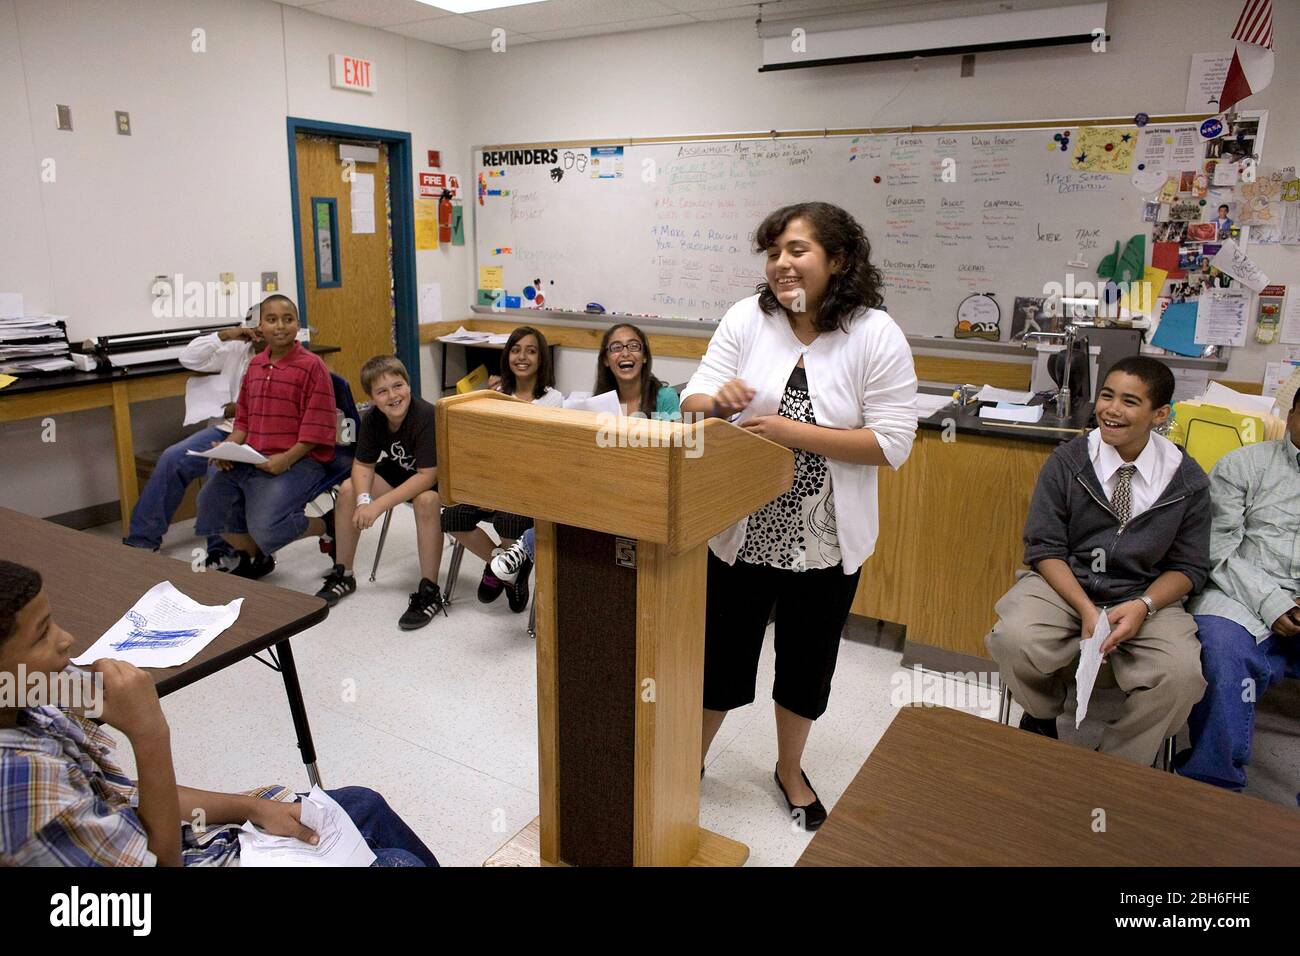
{"type": "Point", "coordinates": [624, 366]}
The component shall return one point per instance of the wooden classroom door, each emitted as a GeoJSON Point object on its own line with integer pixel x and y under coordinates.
{"type": "Point", "coordinates": [347, 266]}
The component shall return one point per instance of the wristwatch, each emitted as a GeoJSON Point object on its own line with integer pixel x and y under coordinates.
{"type": "Point", "coordinates": [1151, 605]}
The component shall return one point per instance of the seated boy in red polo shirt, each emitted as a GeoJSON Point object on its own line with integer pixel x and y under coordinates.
{"type": "Point", "coordinates": [286, 412]}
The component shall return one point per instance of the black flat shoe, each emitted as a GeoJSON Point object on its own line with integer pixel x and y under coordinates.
{"type": "Point", "coordinates": [813, 815]}
{"type": "Point", "coordinates": [1045, 727]}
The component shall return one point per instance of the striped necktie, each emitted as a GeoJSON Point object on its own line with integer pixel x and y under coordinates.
{"type": "Point", "coordinates": [1122, 500]}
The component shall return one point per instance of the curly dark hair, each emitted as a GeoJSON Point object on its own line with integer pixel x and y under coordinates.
{"type": "Point", "coordinates": [19, 586]}
{"type": "Point", "coordinates": [854, 285]}
{"type": "Point", "coordinates": [606, 382]}
{"type": "Point", "coordinates": [545, 373]}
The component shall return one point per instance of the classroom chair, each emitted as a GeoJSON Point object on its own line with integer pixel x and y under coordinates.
{"type": "Point", "coordinates": [1105, 681]}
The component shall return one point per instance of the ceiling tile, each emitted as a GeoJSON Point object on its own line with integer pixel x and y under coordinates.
{"type": "Point", "coordinates": [534, 18]}
{"type": "Point", "coordinates": [513, 39]}
{"type": "Point", "coordinates": [445, 30]}
{"type": "Point", "coordinates": [376, 13]}
{"type": "Point", "coordinates": [624, 26]}
{"type": "Point", "coordinates": [747, 11]}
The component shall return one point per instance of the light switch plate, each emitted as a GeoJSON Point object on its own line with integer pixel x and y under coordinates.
{"type": "Point", "coordinates": [123, 122]}
{"type": "Point", "coordinates": [64, 114]}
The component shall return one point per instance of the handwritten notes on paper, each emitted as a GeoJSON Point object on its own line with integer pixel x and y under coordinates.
{"type": "Point", "coordinates": [1221, 317]}
{"type": "Point", "coordinates": [165, 628]}
{"type": "Point", "coordinates": [339, 842]}
{"type": "Point", "coordinates": [1232, 260]}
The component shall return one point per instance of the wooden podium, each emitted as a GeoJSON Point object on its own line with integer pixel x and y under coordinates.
{"type": "Point", "coordinates": [624, 509]}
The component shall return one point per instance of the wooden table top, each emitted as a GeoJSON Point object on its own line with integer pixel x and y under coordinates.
{"type": "Point", "coordinates": [944, 788]}
{"type": "Point", "coordinates": [91, 582]}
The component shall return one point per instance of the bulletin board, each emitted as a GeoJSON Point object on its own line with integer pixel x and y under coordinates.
{"type": "Point", "coordinates": [963, 220]}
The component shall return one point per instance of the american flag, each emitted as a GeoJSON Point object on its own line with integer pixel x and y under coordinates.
{"type": "Point", "coordinates": [1252, 59]}
{"type": "Point", "coordinates": [1255, 25]}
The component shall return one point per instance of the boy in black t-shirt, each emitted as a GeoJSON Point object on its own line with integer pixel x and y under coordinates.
{"type": "Point", "coordinates": [395, 461]}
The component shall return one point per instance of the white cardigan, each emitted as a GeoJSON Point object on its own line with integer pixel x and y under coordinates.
{"type": "Point", "coordinates": [860, 378]}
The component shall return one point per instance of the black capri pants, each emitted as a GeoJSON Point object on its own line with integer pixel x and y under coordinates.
{"type": "Point", "coordinates": [811, 609]}
{"type": "Point", "coordinates": [467, 517]}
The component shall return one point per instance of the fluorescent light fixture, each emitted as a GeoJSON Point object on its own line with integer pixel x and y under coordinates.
{"type": "Point", "coordinates": [475, 6]}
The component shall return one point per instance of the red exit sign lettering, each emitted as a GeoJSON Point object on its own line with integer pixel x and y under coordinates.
{"type": "Point", "coordinates": [351, 73]}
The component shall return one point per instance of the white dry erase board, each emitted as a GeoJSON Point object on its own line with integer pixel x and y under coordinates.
{"type": "Point", "coordinates": [663, 227]}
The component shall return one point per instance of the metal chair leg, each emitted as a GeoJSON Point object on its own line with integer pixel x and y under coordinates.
{"type": "Point", "coordinates": [1004, 705]}
{"type": "Point", "coordinates": [1167, 753]}
{"type": "Point", "coordinates": [532, 617]}
{"type": "Point", "coordinates": [453, 570]}
{"type": "Point", "coordinates": [383, 533]}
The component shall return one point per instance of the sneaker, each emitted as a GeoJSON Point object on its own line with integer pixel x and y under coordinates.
{"type": "Point", "coordinates": [490, 587]}
{"type": "Point", "coordinates": [338, 585]}
{"type": "Point", "coordinates": [425, 603]}
{"type": "Point", "coordinates": [506, 564]}
{"type": "Point", "coordinates": [327, 543]}
{"type": "Point", "coordinates": [226, 561]}
{"type": "Point", "coordinates": [253, 568]}
{"type": "Point", "coordinates": [517, 593]}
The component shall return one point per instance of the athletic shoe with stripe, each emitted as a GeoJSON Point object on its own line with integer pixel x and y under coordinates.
{"type": "Point", "coordinates": [338, 585]}
{"type": "Point", "coordinates": [425, 603]}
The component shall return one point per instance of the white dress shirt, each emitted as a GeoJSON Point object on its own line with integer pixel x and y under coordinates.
{"type": "Point", "coordinates": [1156, 467]}
{"type": "Point", "coordinates": [227, 360]}
{"type": "Point", "coordinates": [859, 378]}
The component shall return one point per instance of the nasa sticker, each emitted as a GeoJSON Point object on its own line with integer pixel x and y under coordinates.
{"type": "Point", "coordinates": [1212, 128]}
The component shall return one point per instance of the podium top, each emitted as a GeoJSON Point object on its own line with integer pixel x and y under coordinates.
{"type": "Point", "coordinates": [666, 482]}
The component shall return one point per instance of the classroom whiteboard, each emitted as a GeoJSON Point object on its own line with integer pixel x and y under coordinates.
{"type": "Point", "coordinates": [664, 229]}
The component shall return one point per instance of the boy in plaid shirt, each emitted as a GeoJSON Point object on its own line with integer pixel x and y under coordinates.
{"type": "Point", "coordinates": [65, 802]}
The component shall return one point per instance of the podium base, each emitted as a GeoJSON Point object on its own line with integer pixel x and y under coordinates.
{"type": "Point", "coordinates": [524, 849]}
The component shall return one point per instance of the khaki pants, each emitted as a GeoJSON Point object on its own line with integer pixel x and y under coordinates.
{"type": "Point", "coordinates": [1036, 645]}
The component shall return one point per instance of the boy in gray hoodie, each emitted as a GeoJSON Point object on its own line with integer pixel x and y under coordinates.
{"type": "Point", "coordinates": [1119, 524]}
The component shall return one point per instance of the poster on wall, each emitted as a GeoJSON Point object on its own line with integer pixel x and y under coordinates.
{"type": "Point", "coordinates": [607, 162]}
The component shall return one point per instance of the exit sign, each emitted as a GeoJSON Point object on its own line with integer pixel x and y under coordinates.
{"type": "Point", "coordinates": [351, 73]}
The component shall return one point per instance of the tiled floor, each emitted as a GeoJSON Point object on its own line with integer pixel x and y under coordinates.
{"type": "Point", "coordinates": [442, 721]}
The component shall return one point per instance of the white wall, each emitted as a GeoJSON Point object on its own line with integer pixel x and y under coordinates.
{"type": "Point", "coordinates": [702, 78]}
{"type": "Point", "coordinates": [200, 187]}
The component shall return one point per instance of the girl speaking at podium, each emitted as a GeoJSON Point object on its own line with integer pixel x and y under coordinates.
{"type": "Point", "coordinates": [812, 363]}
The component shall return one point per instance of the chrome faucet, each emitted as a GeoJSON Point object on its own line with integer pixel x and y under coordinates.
{"type": "Point", "coordinates": [1066, 338]}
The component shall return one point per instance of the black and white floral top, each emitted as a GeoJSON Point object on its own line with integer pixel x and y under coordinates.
{"type": "Point", "coordinates": [797, 530]}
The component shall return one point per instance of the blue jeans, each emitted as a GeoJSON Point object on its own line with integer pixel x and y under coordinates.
{"type": "Point", "coordinates": [269, 508]}
{"type": "Point", "coordinates": [1223, 722]}
{"type": "Point", "coordinates": [162, 493]}
{"type": "Point", "coordinates": [393, 842]}
{"type": "Point", "coordinates": [529, 538]}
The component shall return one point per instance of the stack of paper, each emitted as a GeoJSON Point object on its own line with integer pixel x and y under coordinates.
{"type": "Point", "coordinates": [1235, 401]}
{"type": "Point", "coordinates": [927, 405]}
{"type": "Point", "coordinates": [33, 343]}
{"type": "Point", "coordinates": [1010, 412]}
{"type": "Point", "coordinates": [463, 336]}
{"type": "Point", "coordinates": [1004, 395]}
